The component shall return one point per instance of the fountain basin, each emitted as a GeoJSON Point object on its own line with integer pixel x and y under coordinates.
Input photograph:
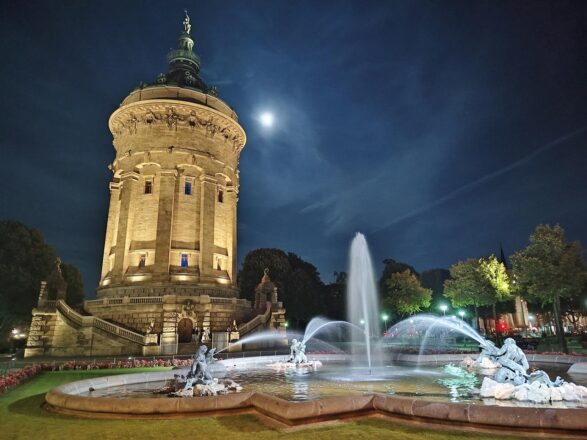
{"type": "Point", "coordinates": [70, 399]}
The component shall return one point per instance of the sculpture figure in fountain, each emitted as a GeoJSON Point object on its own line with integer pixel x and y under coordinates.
{"type": "Point", "coordinates": [200, 369]}
{"type": "Point", "coordinates": [514, 365]}
{"type": "Point", "coordinates": [297, 353]}
{"type": "Point", "coordinates": [199, 377]}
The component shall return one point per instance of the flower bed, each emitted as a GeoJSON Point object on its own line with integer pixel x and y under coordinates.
{"type": "Point", "coordinates": [15, 378]}
{"type": "Point", "coordinates": [131, 363]}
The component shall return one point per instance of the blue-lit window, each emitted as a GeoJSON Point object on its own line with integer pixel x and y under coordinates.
{"type": "Point", "coordinates": [188, 188]}
{"type": "Point", "coordinates": [184, 260]}
{"type": "Point", "coordinates": [142, 260]}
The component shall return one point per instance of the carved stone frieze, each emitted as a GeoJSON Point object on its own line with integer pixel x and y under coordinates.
{"type": "Point", "coordinates": [147, 115]}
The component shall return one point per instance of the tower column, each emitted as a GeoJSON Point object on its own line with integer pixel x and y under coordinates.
{"type": "Point", "coordinates": [111, 226]}
{"type": "Point", "coordinates": [231, 237]}
{"type": "Point", "coordinates": [207, 208]}
{"type": "Point", "coordinates": [167, 190]}
{"type": "Point", "coordinates": [125, 223]}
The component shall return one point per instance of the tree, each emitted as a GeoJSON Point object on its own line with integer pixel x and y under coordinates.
{"type": "Point", "coordinates": [298, 282]}
{"type": "Point", "coordinates": [75, 286]}
{"type": "Point", "coordinates": [478, 282]}
{"type": "Point", "coordinates": [393, 266]}
{"type": "Point", "coordinates": [304, 291]}
{"type": "Point", "coordinates": [335, 297]}
{"type": "Point", "coordinates": [404, 294]}
{"type": "Point", "coordinates": [434, 279]}
{"type": "Point", "coordinates": [550, 268]}
{"type": "Point", "coordinates": [255, 263]}
{"type": "Point", "coordinates": [25, 260]}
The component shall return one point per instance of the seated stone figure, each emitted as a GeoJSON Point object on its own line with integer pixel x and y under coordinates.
{"type": "Point", "coordinates": [514, 365]}
{"type": "Point", "coordinates": [199, 371]}
{"type": "Point", "coordinates": [297, 354]}
{"type": "Point", "coordinates": [513, 362]}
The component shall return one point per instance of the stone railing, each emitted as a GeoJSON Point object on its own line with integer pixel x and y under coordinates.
{"type": "Point", "coordinates": [240, 302]}
{"type": "Point", "coordinates": [125, 300]}
{"type": "Point", "coordinates": [47, 304]}
{"type": "Point", "coordinates": [259, 320]}
{"type": "Point", "coordinates": [145, 300]}
{"type": "Point", "coordinates": [92, 321]}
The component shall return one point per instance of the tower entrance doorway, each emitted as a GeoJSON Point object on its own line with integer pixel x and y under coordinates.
{"type": "Point", "coordinates": [184, 330]}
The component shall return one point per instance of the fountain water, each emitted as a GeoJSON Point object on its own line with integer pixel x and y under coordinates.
{"type": "Point", "coordinates": [422, 328]}
{"type": "Point", "coordinates": [362, 298]}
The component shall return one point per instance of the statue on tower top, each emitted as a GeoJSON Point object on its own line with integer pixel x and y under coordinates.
{"type": "Point", "coordinates": [187, 27]}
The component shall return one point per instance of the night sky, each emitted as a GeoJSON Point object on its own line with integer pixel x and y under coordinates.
{"type": "Point", "coordinates": [440, 129]}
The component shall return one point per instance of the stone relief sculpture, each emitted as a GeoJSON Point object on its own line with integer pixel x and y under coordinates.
{"type": "Point", "coordinates": [175, 117]}
{"type": "Point", "coordinates": [132, 124]}
{"type": "Point", "coordinates": [172, 118]}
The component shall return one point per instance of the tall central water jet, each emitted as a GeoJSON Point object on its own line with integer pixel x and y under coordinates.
{"type": "Point", "coordinates": [362, 299]}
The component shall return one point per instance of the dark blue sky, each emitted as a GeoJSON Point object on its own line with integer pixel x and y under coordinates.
{"type": "Point", "coordinates": [440, 129]}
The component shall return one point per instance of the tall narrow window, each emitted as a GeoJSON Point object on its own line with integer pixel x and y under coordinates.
{"type": "Point", "coordinates": [184, 260]}
{"type": "Point", "coordinates": [220, 196]}
{"type": "Point", "coordinates": [148, 187]}
{"type": "Point", "coordinates": [142, 260]}
{"type": "Point", "coordinates": [188, 188]}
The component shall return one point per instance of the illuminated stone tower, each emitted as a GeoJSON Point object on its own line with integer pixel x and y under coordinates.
{"type": "Point", "coordinates": [173, 196]}
{"type": "Point", "coordinates": [169, 265]}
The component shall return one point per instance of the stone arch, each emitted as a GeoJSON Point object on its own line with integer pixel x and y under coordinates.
{"type": "Point", "coordinates": [223, 179]}
{"type": "Point", "coordinates": [184, 329]}
{"type": "Point", "coordinates": [142, 165]}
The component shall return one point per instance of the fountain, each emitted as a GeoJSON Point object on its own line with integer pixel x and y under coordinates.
{"type": "Point", "coordinates": [362, 300]}
{"type": "Point", "coordinates": [342, 384]}
{"type": "Point", "coordinates": [507, 365]}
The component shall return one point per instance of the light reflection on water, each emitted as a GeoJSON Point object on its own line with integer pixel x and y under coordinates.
{"type": "Point", "coordinates": [333, 380]}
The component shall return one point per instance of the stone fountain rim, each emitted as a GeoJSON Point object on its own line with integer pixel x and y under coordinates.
{"type": "Point", "coordinates": [62, 400]}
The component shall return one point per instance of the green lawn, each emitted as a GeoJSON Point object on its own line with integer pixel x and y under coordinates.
{"type": "Point", "coordinates": [21, 417]}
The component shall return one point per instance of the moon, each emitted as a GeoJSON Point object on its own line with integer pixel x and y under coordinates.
{"type": "Point", "coordinates": [266, 119]}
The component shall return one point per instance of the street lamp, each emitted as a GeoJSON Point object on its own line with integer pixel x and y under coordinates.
{"type": "Point", "coordinates": [462, 313]}
{"type": "Point", "coordinates": [362, 321]}
{"type": "Point", "coordinates": [444, 308]}
{"type": "Point", "coordinates": [385, 317]}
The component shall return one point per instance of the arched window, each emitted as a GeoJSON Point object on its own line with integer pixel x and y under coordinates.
{"type": "Point", "coordinates": [220, 196]}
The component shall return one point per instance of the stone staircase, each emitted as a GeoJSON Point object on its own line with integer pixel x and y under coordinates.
{"type": "Point", "coordinates": [187, 348]}
{"type": "Point", "coordinates": [91, 321]}
{"type": "Point", "coordinates": [258, 323]}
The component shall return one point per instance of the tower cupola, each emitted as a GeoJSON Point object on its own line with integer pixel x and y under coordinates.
{"type": "Point", "coordinates": [184, 63]}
